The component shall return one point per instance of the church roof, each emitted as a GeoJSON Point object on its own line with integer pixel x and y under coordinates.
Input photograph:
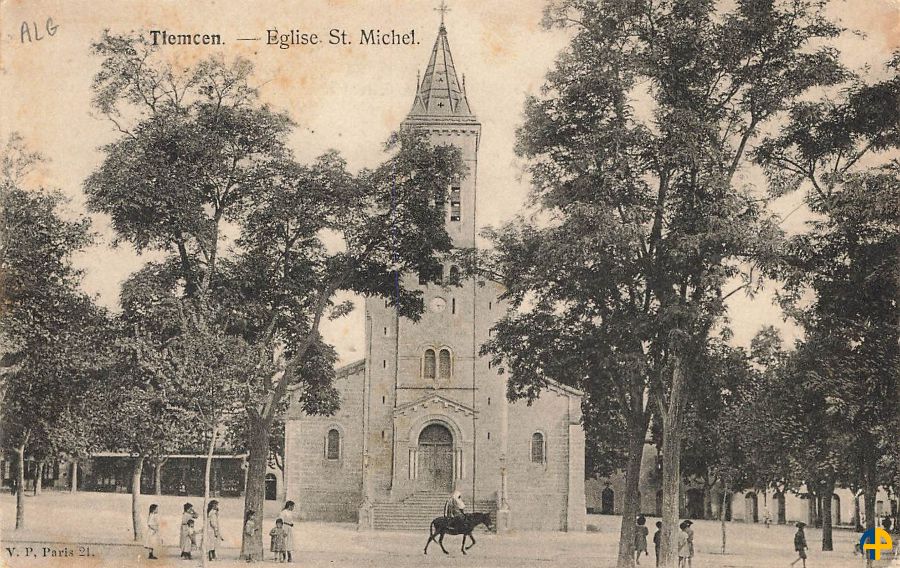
{"type": "Point", "coordinates": [439, 94]}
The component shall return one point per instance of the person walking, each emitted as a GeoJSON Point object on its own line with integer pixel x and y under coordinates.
{"type": "Point", "coordinates": [153, 541]}
{"type": "Point", "coordinates": [640, 538]}
{"type": "Point", "coordinates": [185, 536]}
{"type": "Point", "coordinates": [213, 533]}
{"type": "Point", "coordinates": [656, 539]}
{"type": "Point", "coordinates": [800, 545]}
{"type": "Point", "coordinates": [287, 517]}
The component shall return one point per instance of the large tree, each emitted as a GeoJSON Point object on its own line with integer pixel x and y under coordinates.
{"type": "Point", "coordinates": [634, 145]}
{"type": "Point", "coordinates": [201, 162]}
{"type": "Point", "coordinates": [50, 331]}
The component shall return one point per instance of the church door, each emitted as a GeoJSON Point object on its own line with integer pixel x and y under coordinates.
{"type": "Point", "coordinates": [436, 459]}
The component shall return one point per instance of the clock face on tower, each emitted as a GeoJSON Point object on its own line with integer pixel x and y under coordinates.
{"type": "Point", "coordinates": [438, 305]}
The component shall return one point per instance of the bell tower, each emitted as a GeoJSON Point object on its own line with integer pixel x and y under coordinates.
{"type": "Point", "coordinates": [435, 408]}
{"type": "Point", "coordinates": [441, 109]}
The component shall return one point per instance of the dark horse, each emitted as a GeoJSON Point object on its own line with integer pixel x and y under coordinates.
{"type": "Point", "coordinates": [445, 525]}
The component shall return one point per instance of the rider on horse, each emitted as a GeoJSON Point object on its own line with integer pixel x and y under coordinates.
{"type": "Point", "coordinates": [455, 509]}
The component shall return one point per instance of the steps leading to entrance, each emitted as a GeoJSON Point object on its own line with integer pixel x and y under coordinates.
{"type": "Point", "coordinates": [416, 512]}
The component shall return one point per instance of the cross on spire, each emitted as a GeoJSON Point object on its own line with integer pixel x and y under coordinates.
{"type": "Point", "coordinates": [443, 9]}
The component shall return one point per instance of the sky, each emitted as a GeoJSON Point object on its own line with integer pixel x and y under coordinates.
{"type": "Point", "coordinates": [348, 98]}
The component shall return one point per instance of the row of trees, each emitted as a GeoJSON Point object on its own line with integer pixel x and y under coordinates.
{"type": "Point", "coordinates": [643, 224]}
{"type": "Point", "coordinates": [250, 250]}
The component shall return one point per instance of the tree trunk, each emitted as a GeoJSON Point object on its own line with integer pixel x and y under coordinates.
{"type": "Point", "coordinates": [857, 523]}
{"type": "Point", "coordinates": [20, 487]}
{"type": "Point", "coordinates": [74, 481]}
{"type": "Point", "coordinates": [782, 508]}
{"type": "Point", "coordinates": [819, 511]}
{"type": "Point", "coordinates": [811, 502]}
{"type": "Point", "coordinates": [631, 505]}
{"type": "Point", "coordinates": [135, 498]}
{"type": "Point", "coordinates": [707, 502]}
{"type": "Point", "coordinates": [870, 495]}
{"type": "Point", "coordinates": [157, 476]}
{"type": "Point", "coordinates": [671, 474]}
{"type": "Point", "coordinates": [826, 493]}
{"type": "Point", "coordinates": [204, 547]}
{"type": "Point", "coordinates": [255, 490]}
{"type": "Point", "coordinates": [722, 517]}
{"type": "Point", "coordinates": [39, 478]}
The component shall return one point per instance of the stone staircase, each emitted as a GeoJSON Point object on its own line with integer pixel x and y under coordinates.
{"type": "Point", "coordinates": [416, 512]}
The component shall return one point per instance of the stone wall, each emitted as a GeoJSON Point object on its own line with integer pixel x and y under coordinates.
{"type": "Point", "coordinates": [327, 489]}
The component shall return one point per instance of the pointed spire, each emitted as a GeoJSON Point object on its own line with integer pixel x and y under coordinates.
{"type": "Point", "coordinates": [439, 93]}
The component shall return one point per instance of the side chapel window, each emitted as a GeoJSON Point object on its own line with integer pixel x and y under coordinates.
{"type": "Point", "coordinates": [537, 448]}
{"type": "Point", "coordinates": [333, 445]}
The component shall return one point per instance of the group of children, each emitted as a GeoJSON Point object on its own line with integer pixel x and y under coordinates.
{"type": "Point", "coordinates": [685, 541]}
{"type": "Point", "coordinates": [281, 543]}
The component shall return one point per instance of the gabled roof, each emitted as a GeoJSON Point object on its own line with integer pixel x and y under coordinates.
{"type": "Point", "coordinates": [440, 94]}
{"type": "Point", "coordinates": [434, 400]}
{"type": "Point", "coordinates": [560, 388]}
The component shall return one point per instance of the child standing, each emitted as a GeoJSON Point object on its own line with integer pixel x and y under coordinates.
{"type": "Point", "coordinates": [800, 544]}
{"type": "Point", "coordinates": [640, 538]}
{"type": "Point", "coordinates": [250, 529]}
{"type": "Point", "coordinates": [278, 535]}
{"type": "Point", "coordinates": [188, 539]}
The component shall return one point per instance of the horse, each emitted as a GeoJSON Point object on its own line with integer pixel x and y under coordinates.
{"type": "Point", "coordinates": [464, 526]}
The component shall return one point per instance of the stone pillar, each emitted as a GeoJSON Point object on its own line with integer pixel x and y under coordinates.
{"type": "Point", "coordinates": [504, 521]}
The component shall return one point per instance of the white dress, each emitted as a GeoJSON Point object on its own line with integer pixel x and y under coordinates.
{"type": "Point", "coordinates": [287, 517]}
{"type": "Point", "coordinates": [153, 540]}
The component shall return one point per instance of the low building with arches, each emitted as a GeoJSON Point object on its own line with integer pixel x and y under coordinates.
{"type": "Point", "coordinates": [424, 413]}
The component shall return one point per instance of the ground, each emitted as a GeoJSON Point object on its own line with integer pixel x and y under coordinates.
{"type": "Point", "coordinates": [99, 523]}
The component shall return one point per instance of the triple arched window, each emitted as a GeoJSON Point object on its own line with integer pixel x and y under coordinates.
{"type": "Point", "coordinates": [437, 364]}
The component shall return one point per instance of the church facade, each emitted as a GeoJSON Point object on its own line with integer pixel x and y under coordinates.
{"type": "Point", "coordinates": [423, 413]}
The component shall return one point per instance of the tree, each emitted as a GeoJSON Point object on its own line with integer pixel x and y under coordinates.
{"type": "Point", "coordinates": [839, 152]}
{"type": "Point", "coordinates": [634, 146]}
{"type": "Point", "coordinates": [201, 151]}
{"type": "Point", "coordinates": [48, 328]}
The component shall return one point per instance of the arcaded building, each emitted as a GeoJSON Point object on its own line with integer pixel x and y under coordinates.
{"type": "Point", "coordinates": [424, 413]}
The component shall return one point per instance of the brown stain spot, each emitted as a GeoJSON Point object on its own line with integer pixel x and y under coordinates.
{"type": "Point", "coordinates": [889, 25]}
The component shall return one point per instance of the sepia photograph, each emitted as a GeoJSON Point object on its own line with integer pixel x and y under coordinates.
{"type": "Point", "coordinates": [411, 283]}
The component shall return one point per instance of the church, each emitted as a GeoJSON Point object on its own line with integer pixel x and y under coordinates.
{"type": "Point", "coordinates": [424, 414]}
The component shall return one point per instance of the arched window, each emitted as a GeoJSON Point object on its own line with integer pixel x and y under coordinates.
{"type": "Point", "coordinates": [537, 448]}
{"type": "Point", "coordinates": [333, 445]}
{"type": "Point", "coordinates": [430, 365]}
{"type": "Point", "coordinates": [455, 203]}
{"type": "Point", "coordinates": [454, 275]}
{"type": "Point", "coordinates": [445, 364]}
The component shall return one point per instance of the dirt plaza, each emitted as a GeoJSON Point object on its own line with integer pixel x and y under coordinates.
{"type": "Point", "coordinates": [60, 526]}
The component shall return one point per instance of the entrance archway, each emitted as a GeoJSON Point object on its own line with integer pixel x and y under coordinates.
{"type": "Point", "coordinates": [751, 508]}
{"type": "Point", "coordinates": [607, 501]}
{"type": "Point", "coordinates": [694, 503]}
{"type": "Point", "coordinates": [435, 471]}
{"type": "Point", "coordinates": [271, 487]}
